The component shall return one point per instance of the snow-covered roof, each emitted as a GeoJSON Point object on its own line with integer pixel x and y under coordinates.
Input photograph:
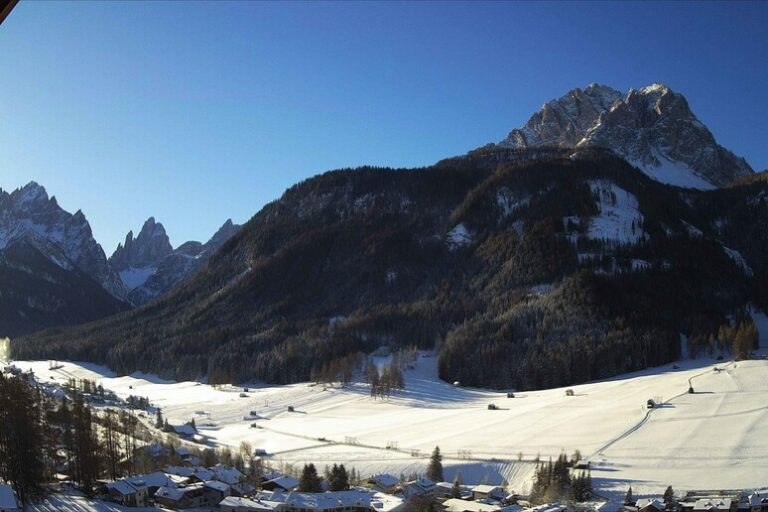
{"type": "Point", "coordinates": [123, 487]}
{"type": "Point", "coordinates": [337, 499]}
{"type": "Point", "coordinates": [459, 505]}
{"type": "Point", "coordinates": [244, 503]}
{"type": "Point", "coordinates": [176, 493]}
{"type": "Point", "coordinates": [187, 430]}
{"type": "Point", "coordinates": [228, 474]}
{"type": "Point", "coordinates": [219, 486]}
{"type": "Point", "coordinates": [7, 498]}
{"type": "Point", "coordinates": [284, 481]}
{"type": "Point", "coordinates": [713, 504]}
{"type": "Point", "coordinates": [156, 479]}
{"type": "Point", "coordinates": [385, 479]}
{"type": "Point", "coordinates": [485, 489]}
{"type": "Point", "coordinates": [645, 502]}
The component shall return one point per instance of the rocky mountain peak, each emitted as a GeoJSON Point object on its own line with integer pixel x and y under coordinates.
{"type": "Point", "coordinates": [652, 127]}
{"type": "Point", "coordinates": [147, 249]}
{"type": "Point", "coordinates": [29, 217]}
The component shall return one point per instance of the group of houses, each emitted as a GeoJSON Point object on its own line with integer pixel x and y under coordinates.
{"type": "Point", "coordinates": [707, 501]}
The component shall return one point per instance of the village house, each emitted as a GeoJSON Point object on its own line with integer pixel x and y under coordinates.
{"type": "Point", "coordinates": [486, 492]}
{"type": "Point", "coordinates": [649, 505]}
{"type": "Point", "coordinates": [279, 482]}
{"type": "Point", "coordinates": [548, 507]}
{"type": "Point", "coordinates": [127, 494]}
{"type": "Point", "coordinates": [197, 495]}
{"type": "Point", "coordinates": [421, 487]}
{"type": "Point", "coordinates": [756, 501]}
{"type": "Point", "coordinates": [8, 502]}
{"type": "Point", "coordinates": [713, 505]}
{"type": "Point", "coordinates": [384, 482]}
{"type": "Point", "coordinates": [239, 504]}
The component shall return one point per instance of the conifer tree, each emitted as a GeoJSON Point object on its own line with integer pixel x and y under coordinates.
{"type": "Point", "coordinates": [435, 468]}
{"type": "Point", "coordinates": [309, 481]}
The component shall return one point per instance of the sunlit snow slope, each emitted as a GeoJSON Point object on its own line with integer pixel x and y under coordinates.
{"type": "Point", "coordinates": [715, 438]}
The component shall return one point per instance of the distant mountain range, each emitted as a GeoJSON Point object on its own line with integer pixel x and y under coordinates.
{"type": "Point", "coordinates": [565, 253]}
{"type": "Point", "coordinates": [149, 267]}
{"type": "Point", "coordinates": [55, 273]}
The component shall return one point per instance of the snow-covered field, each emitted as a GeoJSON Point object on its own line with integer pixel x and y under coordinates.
{"type": "Point", "coordinates": [715, 438]}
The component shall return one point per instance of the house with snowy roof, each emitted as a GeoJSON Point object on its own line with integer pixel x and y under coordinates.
{"type": "Point", "coordinates": [227, 474]}
{"type": "Point", "coordinates": [649, 505]}
{"type": "Point", "coordinates": [239, 504]}
{"type": "Point", "coordinates": [134, 491]}
{"type": "Point", "coordinates": [420, 487]}
{"type": "Point", "coordinates": [8, 502]}
{"type": "Point", "coordinates": [756, 501]}
{"type": "Point", "coordinates": [279, 482]}
{"type": "Point", "coordinates": [384, 482]}
{"type": "Point", "coordinates": [197, 495]}
{"type": "Point", "coordinates": [485, 492]}
{"type": "Point", "coordinates": [713, 505]}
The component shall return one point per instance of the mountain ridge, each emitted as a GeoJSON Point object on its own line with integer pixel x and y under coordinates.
{"type": "Point", "coordinates": [652, 127]}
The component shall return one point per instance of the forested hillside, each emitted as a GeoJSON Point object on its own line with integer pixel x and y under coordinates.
{"type": "Point", "coordinates": [522, 272]}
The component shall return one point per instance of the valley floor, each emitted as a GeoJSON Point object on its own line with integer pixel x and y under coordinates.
{"type": "Point", "coordinates": [716, 438]}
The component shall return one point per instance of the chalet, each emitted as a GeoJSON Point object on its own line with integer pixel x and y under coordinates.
{"type": "Point", "coordinates": [197, 495]}
{"type": "Point", "coordinates": [135, 491]}
{"type": "Point", "coordinates": [279, 482]}
{"type": "Point", "coordinates": [226, 474]}
{"type": "Point", "coordinates": [713, 505]}
{"type": "Point", "coordinates": [238, 504]}
{"type": "Point", "coordinates": [485, 492]}
{"type": "Point", "coordinates": [420, 487]}
{"type": "Point", "coordinates": [649, 505]}
{"type": "Point", "coordinates": [127, 494]}
{"type": "Point", "coordinates": [218, 490]}
{"type": "Point", "coordinates": [443, 491]}
{"type": "Point", "coordinates": [8, 502]}
{"type": "Point", "coordinates": [384, 482]}
{"type": "Point", "coordinates": [756, 501]}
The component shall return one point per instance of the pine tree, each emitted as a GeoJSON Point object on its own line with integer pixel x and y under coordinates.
{"type": "Point", "coordinates": [669, 499]}
{"type": "Point", "coordinates": [159, 419]}
{"type": "Point", "coordinates": [629, 500]}
{"type": "Point", "coordinates": [435, 468]}
{"type": "Point", "coordinates": [338, 479]}
{"type": "Point", "coordinates": [21, 449]}
{"type": "Point", "coordinates": [456, 489]}
{"type": "Point", "coordinates": [310, 481]}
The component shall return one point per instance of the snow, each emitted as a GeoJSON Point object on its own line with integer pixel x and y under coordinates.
{"type": "Point", "coordinates": [135, 277]}
{"type": "Point", "coordinates": [619, 218]}
{"type": "Point", "coordinates": [73, 501]}
{"type": "Point", "coordinates": [459, 236]}
{"type": "Point", "coordinates": [640, 265]}
{"type": "Point", "coordinates": [715, 438]}
{"type": "Point", "coordinates": [673, 173]}
{"type": "Point", "coordinates": [739, 260]}
{"type": "Point", "coordinates": [509, 202]}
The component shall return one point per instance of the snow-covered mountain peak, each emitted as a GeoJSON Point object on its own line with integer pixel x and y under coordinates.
{"type": "Point", "coordinates": [145, 250]}
{"type": "Point", "coordinates": [28, 216]}
{"type": "Point", "coordinates": [652, 127]}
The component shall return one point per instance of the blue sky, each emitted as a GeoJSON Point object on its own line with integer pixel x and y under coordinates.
{"type": "Point", "coordinates": [196, 112]}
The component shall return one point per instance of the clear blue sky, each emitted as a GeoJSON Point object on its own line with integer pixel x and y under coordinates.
{"type": "Point", "coordinates": [196, 112]}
